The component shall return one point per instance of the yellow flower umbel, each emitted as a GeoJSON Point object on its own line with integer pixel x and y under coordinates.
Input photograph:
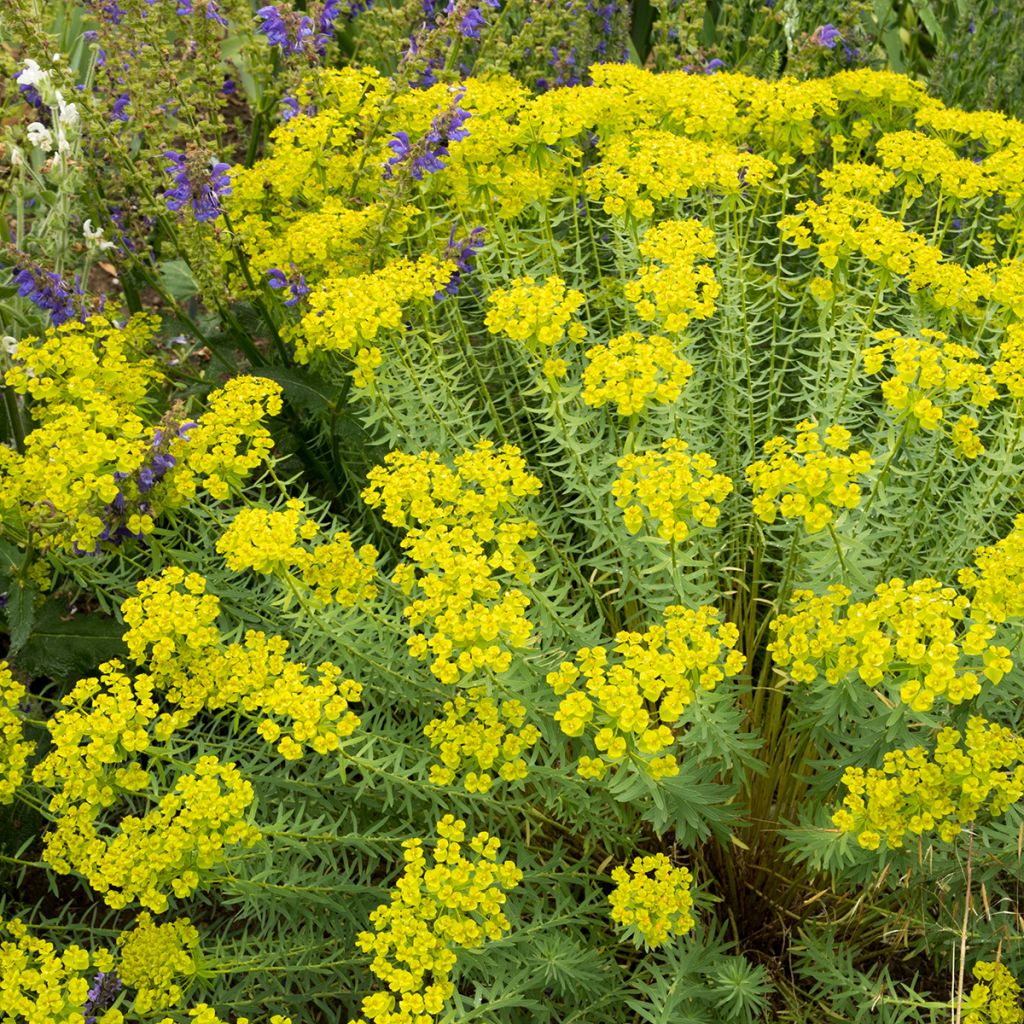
{"type": "Point", "coordinates": [153, 959]}
{"type": "Point", "coordinates": [633, 699]}
{"type": "Point", "coordinates": [100, 465]}
{"type": "Point", "coordinates": [277, 542]}
{"type": "Point", "coordinates": [672, 290]}
{"type": "Point", "coordinates": [994, 998]}
{"type": "Point", "coordinates": [15, 750]}
{"type": "Point", "coordinates": [997, 577]}
{"type": "Point", "coordinates": [809, 478]}
{"type": "Point", "coordinates": [914, 793]}
{"type": "Point", "coordinates": [462, 537]}
{"type": "Point", "coordinates": [149, 857]}
{"type": "Point", "coordinates": [537, 315]}
{"type": "Point", "coordinates": [229, 441]}
{"type": "Point", "coordinates": [651, 900]}
{"type": "Point", "coordinates": [932, 376]}
{"type": "Point", "coordinates": [435, 909]}
{"type": "Point", "coordinates": [348, 315]}
{"type": "Point", "coordinates": [672, 489]}
{"type": "Point", "coordinates": [39, 985]}
{"type": "Point", "coordinates": [919, 636]}
{"type": "Point", "coordinates": [483, 732]}
{"type": "Point", "coordinates": [172, 631]}
{"type": "Point", "coordinates": [1008, 369]}
{"type": "Point", "coordinates": [265, 540]}
{"type": "Point", "coordinates": [632, 370]}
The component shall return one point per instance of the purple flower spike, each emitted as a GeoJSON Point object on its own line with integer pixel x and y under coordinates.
{"type": "Point", "coordinates": [104, 988]}
{"type": "Point", "coordinates": [108, 10]}
{"type": "Point", "coordinates": [472, 20]}
{"type": "Point", "coordinates": [197, 183]}
{"type": "Point", "coordinates": [119, 111]}
{"type": "Point", "coordinates": [463, 254]}
{"type": "Point", "coordinates": [48, 291]}
{"type": "Point", "coordinates": [289, 31]}
{"type": "Point", "coordinates": [826, 36]}
{"type": "Point", "coordinates": [296, 284]}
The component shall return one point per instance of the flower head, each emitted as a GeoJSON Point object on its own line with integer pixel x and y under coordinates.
{"type": "Point", "coordinates": [198, 182]}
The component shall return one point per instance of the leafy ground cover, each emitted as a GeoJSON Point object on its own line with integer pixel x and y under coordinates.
{"type": "Point", "coordinates": [487, 546]}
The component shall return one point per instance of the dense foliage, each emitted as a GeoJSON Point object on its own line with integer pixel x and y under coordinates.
{"type": "Point", "coordinates": [507, 553]}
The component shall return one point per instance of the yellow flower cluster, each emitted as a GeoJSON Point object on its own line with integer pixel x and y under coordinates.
{"type": "Point", "coordinates": [1008, 369]}
{"type": "Point", "coordinates": [98, 465]}
{"type": "Point", "coordinates": [658, 140]}
{"type": "Point", "coordinates": [172, 631]}
{"type": "Point", "coordinates": [38, 985]}
{"type": "Point", "coordinates": [455, 902]}
{"type": "Point", "coordinates": [931, 374]}
{"type": "Point", "coordinates": [994, 998]}
{"type": "Point", "coordinates": [203, 1013]}
{"type": "Point", "coordinates": [538, 316]}
{"type": "Point", "coordinates": [153, 958]}
{"type": "Point", "coordinates": [96, 366]}
{"type": "Point", "coordinates": [266, 540]}
{"type": "Point", "coordinates": [846, 225]}
{"type": "Point", "coordinates": [652, 900]}
{"type": "Point", "coordinates": [111, 728]}
{"type": "Point", "coordinates": [918, 636]}
{"type": "Point", "coordinates": [672, 488]}
{"type": "Point", "coordinates": [347, 314]}
{"type": "Point", "coordinates": [15, 750]}
{"type": "Point", "coordinates": [919, 159]}
{"type": "Point", "coordinates": [165, 850]}
{"type": "Point", "coordinates": [914, 793]}
{"type": "Point", "coordinates": [640, 169]}
{"type": "Point", "coordinates": [477, 729]}
{"type": "Point", "coordinates": [631, 370]}
{"type": "Point", "coordinates": [997, 577]}
{"type": "Point", "coordinates": [462, 537]}
{"type": "Point", "coordinates": [229, 441]}
{"type": "Point", "coordinates": [633, 699]}
{"type": "Point", "coordinates": [269, 541]}
{"type": "Point", "coordinates": [673, 290]}
{"type": "Point", "coordinates": [803, 479]}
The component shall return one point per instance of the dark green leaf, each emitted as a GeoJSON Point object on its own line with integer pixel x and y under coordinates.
{"type": "Point", "coordinates": [21, 609]}
{"type": "Point", "coordinates": [65, 648]}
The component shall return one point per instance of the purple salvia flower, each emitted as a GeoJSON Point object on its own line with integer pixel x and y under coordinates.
{"type": "Point", "coordinates": [102, 993]}
{"type": "Point", "coordinates": [296, 284]}
{"type": "Point", "coordinates": [424, 157]}
{"type": "Point", "coordinates": [197, 183]}
{"type": "Point", "coordinates": [30, 94]}
{"type": "Point", "coordinates": [473, 19]}
{"type": "Point", "coordinates": [463, 254]}
{"type": "Point", "coordinates": [213, 13]}
{"type": "Point", "coordinates": [826, 36]}
{"type": "Point", "coordinates": [119, 111]}
{"type": "Point", "coordinates": [48, 291]}
{"type": "Point", "coordinates": [289, 31]}
{"type": "Point", "coordinates": [108, 10]}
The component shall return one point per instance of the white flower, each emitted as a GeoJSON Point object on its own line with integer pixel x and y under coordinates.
{"type": "Point", "coordinates": [17, 157]}
{"type": "Point", "coordinates": [40, 136]}
{"type": "Point", "coordinates": [68, 113]}
{"type": "Point", "coordinates": [9, 345]}
{"type": "Point", "coordinates": [33, 75]}
{"type": "Point", "coordinates": [94, 237]}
